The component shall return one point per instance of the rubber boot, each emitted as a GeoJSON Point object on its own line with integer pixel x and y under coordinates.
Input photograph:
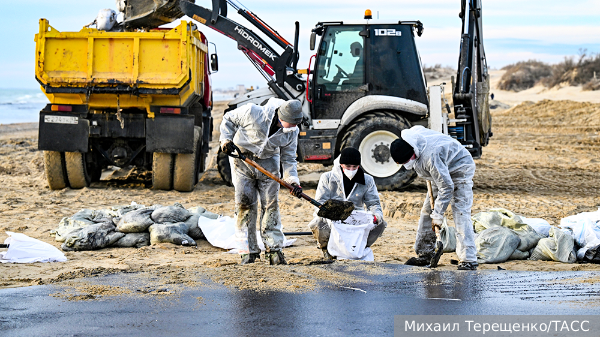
{"type": "Point", "coordinates": [275, 258]}
{"type": "Point", "coordinates": [327, 256]}
{"type": "Point", "coordinates": [249, 258]}
{"type": "Point", "coordinates": [467, 266]}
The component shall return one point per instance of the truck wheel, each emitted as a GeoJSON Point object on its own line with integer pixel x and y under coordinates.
{"type": "Point", "coordinates": [77, 173]}
{"type": "Point", "coordinates": [162, 171]}
{"type": "Point", "coordinates": [184, 171]}
{"type": "Point", "coordinates": [201, 156]}
{"type": "Point", "coordinates": [372, 135]}
{"type": "Point", "coordinates": [224, 168]}
{"type": "Point", "coordinates": [55, 170]}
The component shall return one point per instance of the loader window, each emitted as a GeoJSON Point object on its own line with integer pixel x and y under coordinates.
{"type": "Point", "coordinates": [341, 60]}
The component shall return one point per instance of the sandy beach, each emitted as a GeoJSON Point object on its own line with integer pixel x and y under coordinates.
{"type": "Point", "coordinates": [542, 162]}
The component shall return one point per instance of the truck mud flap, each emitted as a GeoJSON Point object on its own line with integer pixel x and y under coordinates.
{"type": "Point", "coordinates": [63, 132]}
{"type": "Point", "coordinates": [170, 134]}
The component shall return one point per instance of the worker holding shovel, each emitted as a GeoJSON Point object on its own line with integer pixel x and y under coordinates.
{"type": "Point", "coordinates": [443, 161]}
{"type": "Point", "coordinates": [267, 135]}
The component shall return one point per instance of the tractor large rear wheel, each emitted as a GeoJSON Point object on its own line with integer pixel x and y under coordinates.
{"type": "Point", "coordinates": [55, 170]}
{"type": "Point", "coordinates": [372, 135]}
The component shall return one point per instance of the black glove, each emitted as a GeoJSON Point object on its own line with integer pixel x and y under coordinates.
{"type": "Point", "coordinates": [227, 147]}
{"type": "Point", "coordinates": [297, 191]}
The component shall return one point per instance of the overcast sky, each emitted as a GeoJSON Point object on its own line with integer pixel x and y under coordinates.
{"type": "Point", "coordinates": [514, 30]}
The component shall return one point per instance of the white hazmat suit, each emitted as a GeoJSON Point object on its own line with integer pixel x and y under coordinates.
{"type": "Point", "coordinates": [248, 126]}
{"type": "Point", "coordinates": [450, 167]}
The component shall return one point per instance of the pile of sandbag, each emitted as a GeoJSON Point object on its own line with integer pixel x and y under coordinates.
{"type": "Point", "coordinates": [502, 235]}
{"type": "Point", "coordinates": [131, 226]}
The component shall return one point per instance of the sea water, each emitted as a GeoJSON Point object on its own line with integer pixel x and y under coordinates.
{"type": "Point", "coordinates": [21, 105]}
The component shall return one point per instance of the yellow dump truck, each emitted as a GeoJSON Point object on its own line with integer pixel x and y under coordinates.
{"type": "Point", "coordinates": [124, 99]}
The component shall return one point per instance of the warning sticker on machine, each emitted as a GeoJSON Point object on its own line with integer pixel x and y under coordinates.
{"type": "Point", "coordinates": [61, 119]}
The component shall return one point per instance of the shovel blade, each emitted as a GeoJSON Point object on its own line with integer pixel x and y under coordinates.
{"type": "Point", "coordinates": [336, 209]}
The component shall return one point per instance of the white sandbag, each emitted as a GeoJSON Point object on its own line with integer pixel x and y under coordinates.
{"type": "Point", "coordinates": [585, 230]}
{"type": "Point", "coordinates": [557, 247]}
{"type": "Point", "coordinates": [175, 233]}
{"type": "Point", "coordinates": [24, 249]}
{"type": "Point", "coordinates": [495, 217]}
{"type": "Point", "coordinates": [171, 214]}
{"type": "Point", "coordinates": [136, 240]}
{"type": "Point", "coordinates": [136, 221]}
{"type": "Point", "coordinates": [496, 244]}
{"type": "Point", "coordinates": [448, 236]}
{"type": "Point", "coordinates": [541, 226]}
{"type": "Point", "coordinates": [106, 19]}
{"type": "Point", "coordinates": [519, 255]}
{"type": "Point", "coordinates": [92, 237]}
{"type": "Point", "coordinates": [348, 239]}
{"type": "Point", "coordinates": [221, 233]}
{"type": "Point", "coordinates": [505, 218]}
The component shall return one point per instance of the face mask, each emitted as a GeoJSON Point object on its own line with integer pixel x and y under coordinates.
{"type": "Point", "coordinates": [350, 173]}
{"type": "Point", "coordinates": [288, 130]}
{"type": "Point", "coordinates": [409, 164]}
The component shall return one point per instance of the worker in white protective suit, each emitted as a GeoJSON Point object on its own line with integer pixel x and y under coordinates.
{"type": "Point", "coordinates": [347, 182]}
{"type": "Point", "coordinates": [268, 135]}
{"type": "Point", "coordinates": [445, 162]}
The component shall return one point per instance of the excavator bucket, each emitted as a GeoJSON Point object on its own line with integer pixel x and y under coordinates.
{"type": "Point", "coordinates": [150, 13]}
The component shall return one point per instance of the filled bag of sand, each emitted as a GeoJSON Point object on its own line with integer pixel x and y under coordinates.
{"type": "Point", "coordinates": [505, 218]}
{"type": "Point", "coordinates": [221, 233]}
{"type": "Point", "coordinates": [495, 217]}
{"type": "Point", "coordinates": [496, 244]}
{"type": "Point", "coordinates": [81, 219]}
{"type": "Point", "coordinates": [541, 226]}
{"type": "Point", "coordinates": [559, 246]}
{"type": "Point", "coordinates": [585, 230]}
{"type": "Point", "coordinates": [136, 240]}
{"type": "Point", "coordinates": [348, 239]}
{"type": "Point", "coordinates": [92, 237]}
{"type": "Point", "coordinates": [136, 221]}
{"type": "Point", "coordinates": [175, 233]}
{"type": "Point", "coordinates": [448, 236]}
{"type": "Point", "coordinates": [24, 249]}
{"type": "Point", "coordinates": [171, 214]}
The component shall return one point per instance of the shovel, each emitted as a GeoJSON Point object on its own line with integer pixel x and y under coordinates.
{"type": "Point", "coordinates": [330, 209]}
{"type": "Point", "coordinates": [439, 246]}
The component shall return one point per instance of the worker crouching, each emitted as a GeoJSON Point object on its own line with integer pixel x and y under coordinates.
{"type": "Point", "coordinates": [269, 136]}
{"type": "Point", "coordinates": [347, 182]}
{"type": "Point", "coordinates": [445, 162]}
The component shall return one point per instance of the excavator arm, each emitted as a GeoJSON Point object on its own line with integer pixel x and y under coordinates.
{"type": "Point", "coordinates": [276, 68]}
{"type": "Point", "coordinates": [472, 86]}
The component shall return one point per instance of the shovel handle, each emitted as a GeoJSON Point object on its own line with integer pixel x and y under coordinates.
{"type": "Point", "coordinates": [252, 163]}
{"type": "Point", "coordinates": [436, 228]}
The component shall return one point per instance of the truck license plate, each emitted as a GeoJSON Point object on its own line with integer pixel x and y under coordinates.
{"type": "Point", "coordinates": [61, 119]}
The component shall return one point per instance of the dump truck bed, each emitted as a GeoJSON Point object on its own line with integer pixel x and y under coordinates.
{"type": "Point", "coordinates": [121, 69]}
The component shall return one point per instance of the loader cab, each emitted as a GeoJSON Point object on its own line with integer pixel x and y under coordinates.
{"type": "Point", "coordinates": [358, 60]}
